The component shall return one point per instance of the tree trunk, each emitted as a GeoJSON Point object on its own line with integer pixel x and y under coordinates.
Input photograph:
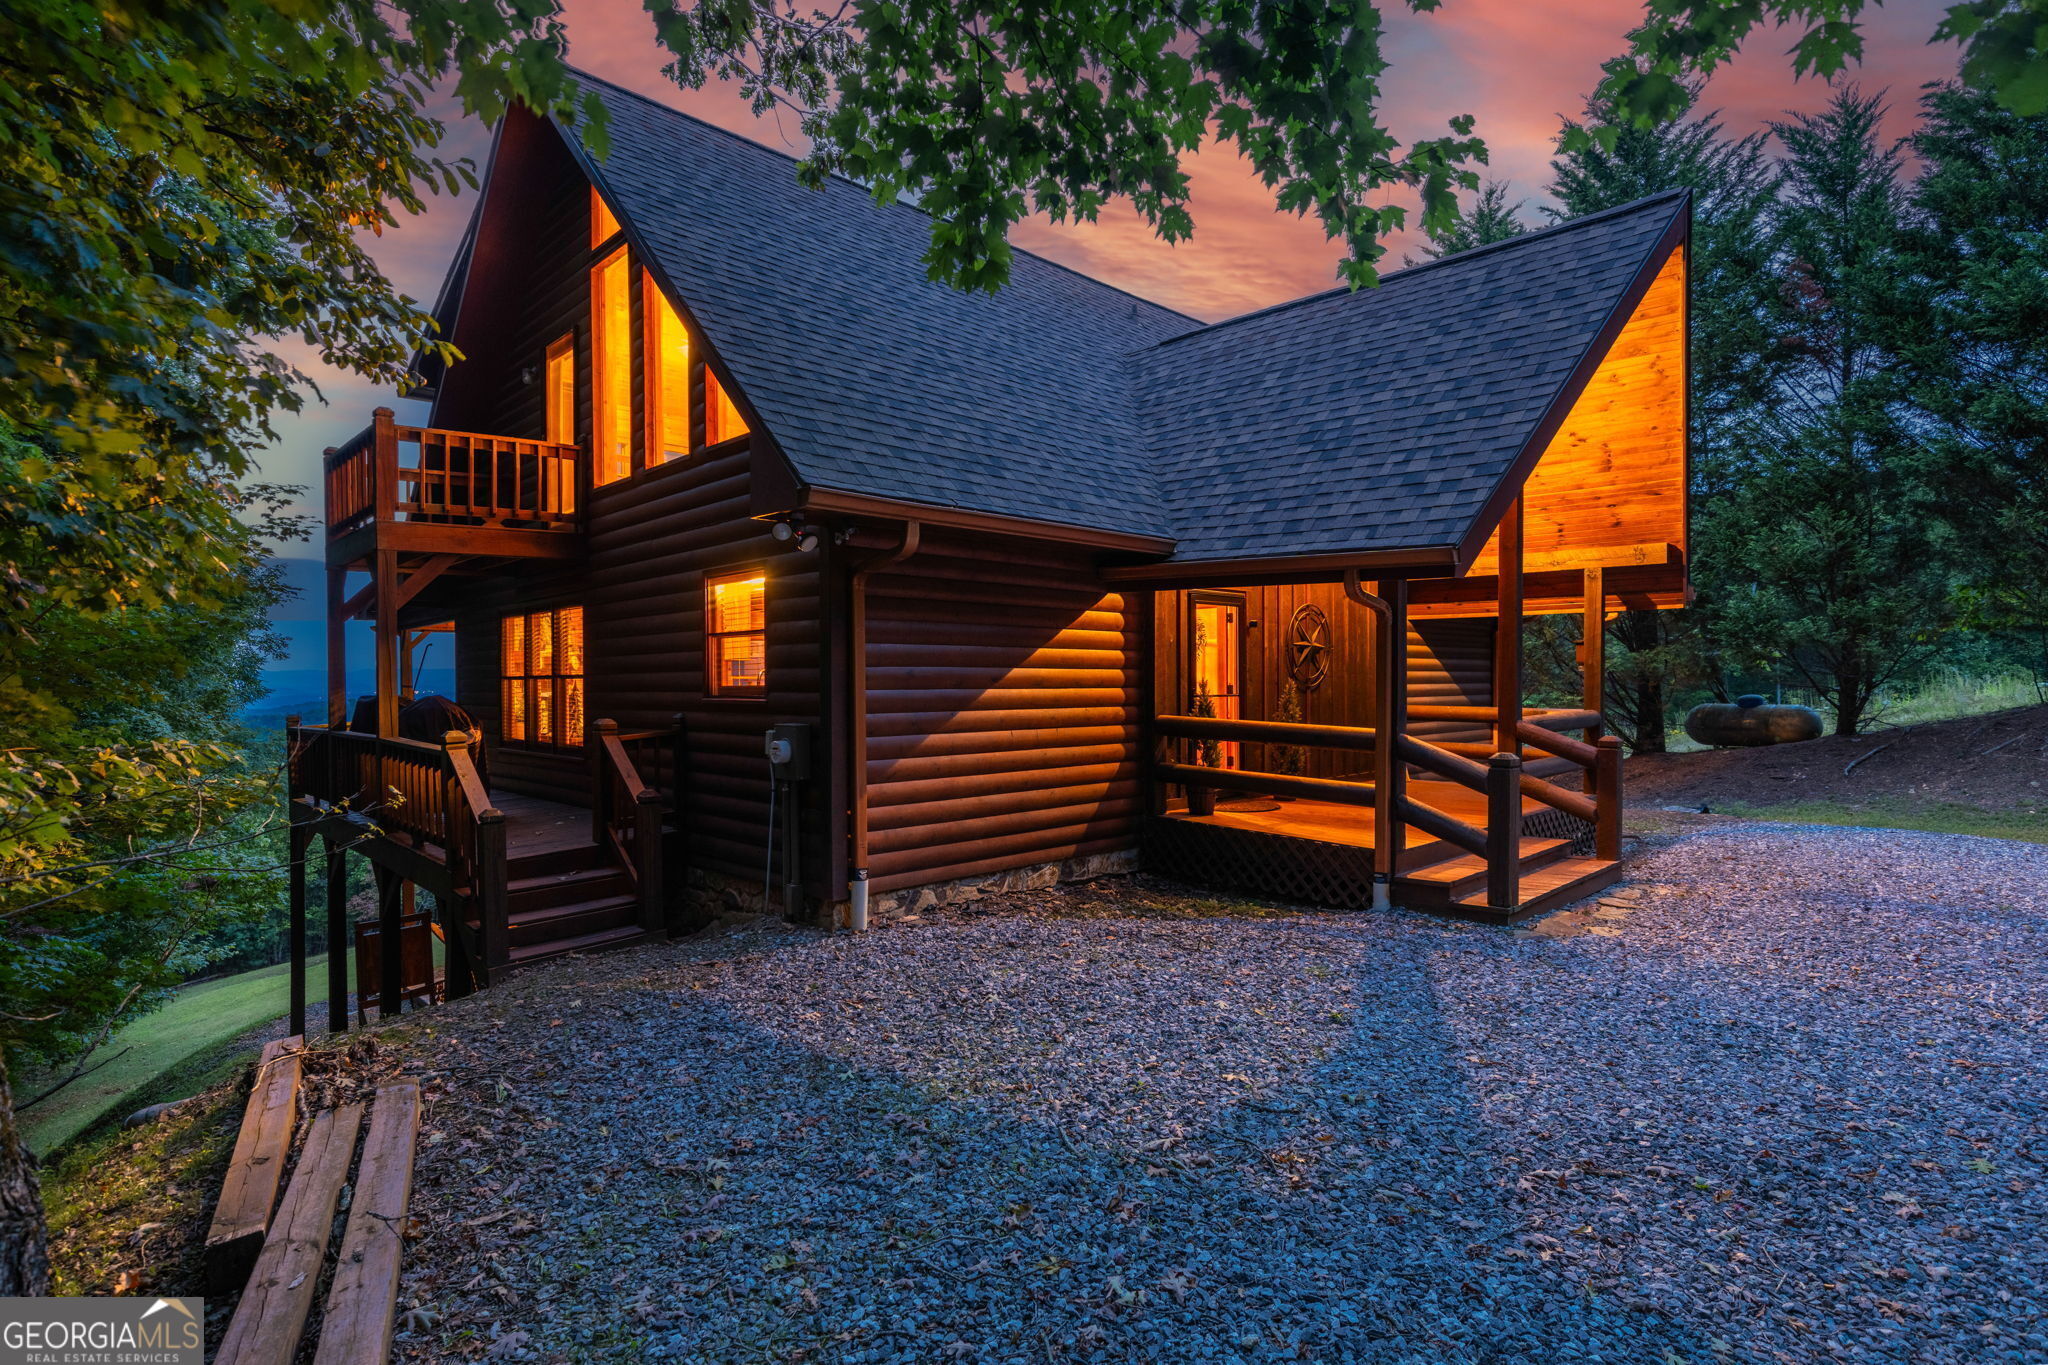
{"type": "Point", "coordinates": [1849, 704]}
{"type": "Point", "coordinates": [1649, 715]}
{"type": "Point", "coordinates": [24, 1236]}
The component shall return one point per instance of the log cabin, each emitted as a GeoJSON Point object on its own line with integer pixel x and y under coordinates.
{"type": "Point", "coordinates": [780, 577]}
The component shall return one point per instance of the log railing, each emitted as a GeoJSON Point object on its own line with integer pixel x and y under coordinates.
{"type": "Point", "coordinates": [425, 797]}
{"type": "Point", "coordinates": [626, 812]}
{"type": "Point", "coordinates": [1344, 737]}
{"type": "Point", "coordinates": [388, 473]}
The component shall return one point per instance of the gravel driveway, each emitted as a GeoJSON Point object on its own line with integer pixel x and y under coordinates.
{"type": "Point", "coordinates": [1788, 1107]}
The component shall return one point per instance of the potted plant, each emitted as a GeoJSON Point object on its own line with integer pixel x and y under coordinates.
{"type": "Point", "coordinates": [1208, 753]}
{"type": "Point", "coordinates": [1289, 759]}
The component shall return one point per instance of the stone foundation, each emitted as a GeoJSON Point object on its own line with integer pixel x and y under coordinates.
{"type": "Point", "coordinates": [915, 900]}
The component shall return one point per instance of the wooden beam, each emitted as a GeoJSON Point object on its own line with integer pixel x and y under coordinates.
{"type": "Point", "coordinates": [385, 581]}
{"type": "Point", "coordinates": [337, 646]}
{"type": "Point", "coordinates": [1593, 649]}
{"type": "Point", "coordinates": [248, 1193]}
{"type": "Point", "coordinates": [1507, 639]}
{"type": "Point", "coordinates": [361, 1303]}
{"type": "Point", "coordinates": [271, 1317]}
{"type": "Point", "coordinates": [1602, 557]}
{"type": "Point", "coordinates": [337, 937]}
{"type": "Point", "coordinates": [1326, 568]}
{"type": "Point", "coordinates": [424, 573]}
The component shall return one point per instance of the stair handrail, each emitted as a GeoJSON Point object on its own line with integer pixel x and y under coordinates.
{"type": "Point", "coordinates": [477, 850]}
{"type": "Point", "coordinates": [1601, 806]}
{"type": "Point", "coordinates": [627, 812]}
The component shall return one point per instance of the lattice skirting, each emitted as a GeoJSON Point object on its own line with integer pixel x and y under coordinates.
{"type": "Point", "coordinates": [1550, 823]}
{"type": "Point", "coordinates": [1277, 865]}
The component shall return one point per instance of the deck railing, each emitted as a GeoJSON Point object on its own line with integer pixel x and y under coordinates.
{"type": "Point", "coordinates": [626, 810]}
{"type": "Point", "coordinates": [1500, 778]}
{"type": "Point", "coordinates": [425, 797]}
{"type": "Point", "coordinates": [393, 473]}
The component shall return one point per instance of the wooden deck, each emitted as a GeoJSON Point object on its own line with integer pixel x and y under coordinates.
{"type": "Point", "coordinates": [535, 826]}
{"type": "Point", "coordinates": [1327, 822]}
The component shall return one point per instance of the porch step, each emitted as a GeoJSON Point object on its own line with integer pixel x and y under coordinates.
{"type": "Point", "coordinates": [578, 857]}
{"type": "Point", "coordinates": [525, 894]}
{"type": "Point", "coordinates": [533, 953]}
{"type": "Point", "coordinates": [1438, 884]}
{"type": "Point", "coordinates": [1548, 888]}
{"type": "Point", "coordinates": [549, 924]}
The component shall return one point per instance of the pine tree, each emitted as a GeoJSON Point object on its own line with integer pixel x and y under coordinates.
{"type": "Point", "coordinates": [1824, 509]}
{"type": "Point", "coordinates": [1653, 654]}
{"type": "Point", "coordinates": [1490, 218]}
{"type": "Point", "coordinates": [1973, 332]}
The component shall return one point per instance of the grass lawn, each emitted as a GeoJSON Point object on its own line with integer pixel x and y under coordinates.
{"type": "Point", "coordinates": [1934, 817]}
{"type": "Point", "coordinates": [165, 1055]}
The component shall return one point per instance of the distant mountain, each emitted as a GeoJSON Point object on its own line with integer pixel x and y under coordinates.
{"type": "Point", "coordinates": [298, 682]}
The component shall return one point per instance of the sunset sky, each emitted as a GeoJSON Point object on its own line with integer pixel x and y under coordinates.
{"type": "Point", "coordinates": [1517, 65]}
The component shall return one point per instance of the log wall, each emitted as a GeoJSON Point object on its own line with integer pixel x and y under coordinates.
{"type": "Point", "coordinates": [1003, 694]}
{"type": "Point", "coordinates": [651, 541]}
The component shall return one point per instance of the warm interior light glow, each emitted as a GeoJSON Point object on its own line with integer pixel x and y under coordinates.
{"type": "Point", "coordinates": [722, 421]}
{"type": "Point", "coordinates": [541, 663]}
{"type": "Point", "coordinates": [735, 630]}
{"type": "Point", "coordinates": [603, 226]}
{"type": "Point", "coordinates": [561, 391]}
{"type": "Point", "coordinates": [612, 354]}
{"type": "Point", "coordinates": [668, 375]}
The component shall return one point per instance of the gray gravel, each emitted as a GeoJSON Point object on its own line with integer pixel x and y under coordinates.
{"type": "Point", "coordinates": [1782, 1101]}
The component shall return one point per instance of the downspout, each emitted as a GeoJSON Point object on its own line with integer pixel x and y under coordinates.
{"type": "Point", "coordinates": [857, 727]}
{"type": "Point", "coordinates": [1385, 761]}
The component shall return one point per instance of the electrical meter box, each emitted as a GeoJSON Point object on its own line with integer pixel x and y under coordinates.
{"type": "Point", "coordinates": [789, 751]}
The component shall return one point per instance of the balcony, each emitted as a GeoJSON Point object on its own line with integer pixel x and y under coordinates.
{"type": "Point", "coordinates": [426, 491]}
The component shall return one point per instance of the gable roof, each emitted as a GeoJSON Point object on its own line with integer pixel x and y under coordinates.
{"type": "Point", "coordinates": [1346, 422]}
{"type": "Point", "coordinates": [870, 377]}
{"type": "Point", "coordinates": [1387, 418]}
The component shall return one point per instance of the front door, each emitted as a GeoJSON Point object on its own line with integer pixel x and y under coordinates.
{"type": "Point", "coordinates": [1218, 664]}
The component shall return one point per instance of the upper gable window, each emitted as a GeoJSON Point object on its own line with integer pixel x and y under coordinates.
{"type": "Point", "coordinates": [603, 225]}
{"type": "Point", "coordinates": [561, 394]}
{"type": "Point", "coordinates": [722, 421]}
{"type": "Point", "coordinates": [611, 326]}
{"type": "Point", "coordinates": [668, 375]}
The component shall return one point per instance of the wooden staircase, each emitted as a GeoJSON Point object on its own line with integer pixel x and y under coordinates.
{"type": "Point", "coordinates": [576, 900]}
{"type": "Point", "coordinates": [1550, 877]}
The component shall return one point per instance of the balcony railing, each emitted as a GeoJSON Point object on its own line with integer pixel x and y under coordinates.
{"type": "Point", "coordinates": [426, 475]}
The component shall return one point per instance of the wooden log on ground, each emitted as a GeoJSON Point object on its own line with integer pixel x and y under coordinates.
{"type": "Point", "coordinates": [356, 1329]}
{"type": "Point", "coordinates": [271, 1317]}
{"type": "Point", "coordinates": [255, 1171]}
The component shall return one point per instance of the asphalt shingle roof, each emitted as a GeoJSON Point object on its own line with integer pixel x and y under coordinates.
{"type": "Point", "coordinates": [872, 378]}
{"type": "Point", "coordinates": [1345, 421]}
{"type": "Point", "coordinates": [1382, 418]}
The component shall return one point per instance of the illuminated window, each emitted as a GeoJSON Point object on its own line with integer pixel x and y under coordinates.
{"type": "Point", "coordinates": [735, 634]}
{"type": "Point", "coordinates": [561, 398]}
{"type": "Point", "coordinates": [722, 421]}
{"type": "Point", "coordinates": [603, 226]}
{"type": "Point", "coordinates": [612, 375]}
{"type": "Point", "coordinates": [668, 375]}
{"type": "Point", "coordinates": [541, 660]}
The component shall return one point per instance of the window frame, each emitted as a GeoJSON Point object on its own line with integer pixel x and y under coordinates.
{"type": "Point", "coordinates": [563, 350]}
{"type": "Point", "coordinates": [654, 308]}
{"type": "Point", "coordinates": [604, 224]}
{"type": "Point", "coordinates": [556, 677]}
{"type": "Point", "coordinates": [713, 687]}
{"type": "Point", "coordinates": [601, 341]}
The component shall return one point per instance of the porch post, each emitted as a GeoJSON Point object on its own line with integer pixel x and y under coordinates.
{"type": "Point", "coordinates": [1391, 712]}
{"type": "Point", "coordinates": [337, 645]}
{"type": "Point", "coordinates": [386, 570]}
{"type": "Point", "coordinates": [390, 932]}
{"type": "Point", "coordinates": [1507, 639]}
{"type": "Point", "coordinates": [1594, 651]}
{"type": "Point", "coordinates": [301, 849]}
{"type": "Point", "coordinates": [337, 937]}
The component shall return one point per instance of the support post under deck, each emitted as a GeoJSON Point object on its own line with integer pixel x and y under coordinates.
{"type": "Point", "coordinates": [337, 937]}
{"type": "Point", "coordinates": [1507, 640]}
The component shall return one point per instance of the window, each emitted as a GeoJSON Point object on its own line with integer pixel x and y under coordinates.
{"type": "Point", "coordinates": [668, 375]}
{"type": "Point", "coordinates": [561, 399]}
{"type": "Point", "coordinates": [735, 634]}
{"type": "Point", "coordinates": [541, 660]}
{"type": "Point", "coordinates": [722, 421]}
{"type": "Point", "coordinates": [603, 226]}
{"type": "Point", "coordinates": [611, 313]}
